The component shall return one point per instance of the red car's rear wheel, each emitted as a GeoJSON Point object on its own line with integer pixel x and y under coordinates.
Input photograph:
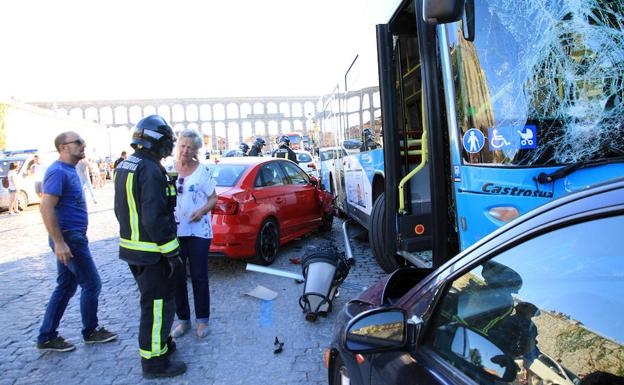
{"type": "Point", "coordinates": [267, 242]}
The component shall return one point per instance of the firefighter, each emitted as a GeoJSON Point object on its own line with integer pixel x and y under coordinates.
{"type": "Point", "coordinates": [244, 147]}
{"type": "Point", "coordinates": [144, 206]}
{"type": "Point", "coordinates": [284, 150]}
{"type": "Point", "coordinates": [256, 147]}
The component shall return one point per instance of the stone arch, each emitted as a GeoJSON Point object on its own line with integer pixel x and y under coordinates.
{"type": "Point", "coordinates": [106, 115]}
{"type": "Point", "coordinates": [273, 128]}
{"type": "Point", "coordinates": [149, 110]}
{"type": "Point", "coordinates": [298, 125]}
{"type": "Point", "coordinates": [285, 126]}
{"type": "Point", "coordinates": [205, 112]}
{"type": "Point", "coordinates": [92, 114]}
{"type": "Point", "coordinates": [221, 134]}
{"type": "Point", "coordinates": [284, 109]}
{"type": "Point", "coordinates": [245, 110]}
{"type": "Point", "coordinates": [258, 108]}
{"type": "Point", "coordinates": [271, 108]}
{"type": "Point", "coordinates": [308, 108]}
{"type": "Point", "coordinates": [366, 101]}
{"type": "Point", "coordinates": [165, 111]}
{"type": "Point", "coordinates": [218, 112]}
{"type": "Point", "coordinates": [76, 113]}
{"type": "Point", "coordinates": [233, 134]}
{"type": "Point", "coordinates": [120, 115]}
{"type": "Point", "coordinates": [135, 113]}
{"type": "Point", "coordinates": [247, 132]}
{"type": "Point", "coordinates": [177, 113]}
{"type": "Point", "coordinates": [297, 109]}
{"type": "Point", "coordinates": [191, 112]}
{"type": "Point", "coordinates": [260, 128]}
{"type": "Point", "coordinates": [232, 111]}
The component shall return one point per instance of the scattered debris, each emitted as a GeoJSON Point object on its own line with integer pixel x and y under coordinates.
{"type": "Point", "coordinates": [278, 346]}
{"type": "Point", "coordinates": [262, 292]}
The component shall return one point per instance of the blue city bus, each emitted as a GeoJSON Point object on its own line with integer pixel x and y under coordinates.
{"type": "Point", "coordinates": [469, 114]}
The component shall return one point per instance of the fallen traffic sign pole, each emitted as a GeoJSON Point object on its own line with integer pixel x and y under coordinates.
{"type": "Point", "coordinates": [272, 271]}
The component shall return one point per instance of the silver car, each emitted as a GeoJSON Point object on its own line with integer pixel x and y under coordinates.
{"type": "Point", "coordinates": [26, 193]}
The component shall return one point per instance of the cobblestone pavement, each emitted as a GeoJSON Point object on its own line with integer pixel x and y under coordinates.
{"type": "Point", "coordinates": [238, 350]}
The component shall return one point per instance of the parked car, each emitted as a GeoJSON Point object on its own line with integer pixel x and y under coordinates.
{"type": "Point", "coordinates": [26, 194]}
{"type": "Point", "coordinates": [328, 156]}
{"type": "Point", "coordinates": [233, 152]}
{"type": "Point", "coordinates": [307, 163]}
{"type": "Point", "coordinates": [264, 203]}
{"type": "Point", "coordinates": [538, 301]}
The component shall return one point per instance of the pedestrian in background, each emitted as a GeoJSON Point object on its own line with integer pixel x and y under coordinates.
{"type": "Point", "coordinates": [64, 214]}
{"type": "Point", "coordinates": [196, 197]}
{"type": "Point", "coordinates": [123, 157]}
{"type": "Point", "coordinates": [37, 171]}
{"type": "Point", "coordinates": [13, 188]}
{"type": "Point", "coordinates": [82, 168]}
{"type": "Point", "coordinates": [144, 205]}
{"type": "Point", "coordinates": [94, 171]}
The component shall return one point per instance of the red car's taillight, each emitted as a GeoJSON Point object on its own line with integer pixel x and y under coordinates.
{"type": "Point", "coordinates": [225, 208]}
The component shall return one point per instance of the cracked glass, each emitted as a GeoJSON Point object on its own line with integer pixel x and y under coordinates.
{"type": "Point", "coordinates": [542, 83]}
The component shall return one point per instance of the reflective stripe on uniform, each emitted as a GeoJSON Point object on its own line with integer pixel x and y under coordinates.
{"type": "Point", "coordinates": [149, 246]}
{"type": "Point", "coordinates": [169, 246]}
{"type": "Point", "coordinates": [132, 210]}
{"type": "Point", "coordinates": [156, 332]}
{"type": "Point", "coordinates": [171, 191]}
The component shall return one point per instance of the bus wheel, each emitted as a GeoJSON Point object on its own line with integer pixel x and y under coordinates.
{"type": "Point", "coordinates": [377, 236]}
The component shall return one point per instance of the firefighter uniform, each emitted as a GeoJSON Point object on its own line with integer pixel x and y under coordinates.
{"type": "Point", "coordinates": [144, 205]}
{"type": "Point", "coordinates": [285, 152]}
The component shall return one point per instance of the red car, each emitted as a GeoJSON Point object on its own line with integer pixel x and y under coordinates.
{"type": "Point", "coordinates": [264, 203]}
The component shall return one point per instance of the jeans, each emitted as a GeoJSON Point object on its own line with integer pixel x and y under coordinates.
{"type": "Point", "coordinates": [193, 250]}
{"type": "Point", "coordinates": [81, 271]}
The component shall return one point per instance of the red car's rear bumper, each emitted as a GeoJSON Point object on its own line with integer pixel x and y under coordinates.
{"type": "Point", "coordinates": [234, 240]}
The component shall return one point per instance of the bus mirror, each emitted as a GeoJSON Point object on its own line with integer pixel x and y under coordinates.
{"type": "Point", "coordinates": [468, 21]}
{"type": "Point", "coordinates": [442, 11]}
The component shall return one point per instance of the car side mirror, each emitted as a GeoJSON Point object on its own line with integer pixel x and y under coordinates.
{"type": "Point", "coordinates": [314, 181]}
{"type": "Point", "coordinates": [377, 330]}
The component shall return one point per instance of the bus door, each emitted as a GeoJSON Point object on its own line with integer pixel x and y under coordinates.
{"type": "Point", "coordinates": [416, 149]}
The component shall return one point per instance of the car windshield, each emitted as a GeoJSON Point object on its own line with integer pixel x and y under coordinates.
{"type": "Point", "coordinates": [6, 162]}
{"type": "Point", "coordinates": [295, 139]}
{"type": "Point", "coordinates": [226, 175]}
{"type": "Point", "coordinates": [327, 155]}
{"type": "Point", "coordinates": [541, 84]}
{"type": "Point", "coordinates": [303, 157]}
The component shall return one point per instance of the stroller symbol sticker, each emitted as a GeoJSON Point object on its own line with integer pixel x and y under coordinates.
{"type": "Point", "coordinates": [528, 137]}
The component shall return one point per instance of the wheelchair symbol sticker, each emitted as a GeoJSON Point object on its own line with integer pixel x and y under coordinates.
{"type": "Point", "coordinates": [473, 141]}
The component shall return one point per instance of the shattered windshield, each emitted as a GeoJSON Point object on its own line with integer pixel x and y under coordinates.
{"type": "Point", "coordinates": [542, 83]}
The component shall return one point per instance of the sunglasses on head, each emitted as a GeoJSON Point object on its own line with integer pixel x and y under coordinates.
{"type": "Point", "coordinates": [180, 185]}
{"type": "Point", "coordinates": [77, 142]}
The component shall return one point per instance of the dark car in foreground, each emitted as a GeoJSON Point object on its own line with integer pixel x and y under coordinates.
{"type": "Point", "coordinates": [264, 203]}
{"type": "Point", "coordinates": [539, 301]}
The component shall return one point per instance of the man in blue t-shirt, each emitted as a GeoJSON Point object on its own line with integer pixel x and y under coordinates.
{"type": "Point", "coordinates": [64, 213]}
